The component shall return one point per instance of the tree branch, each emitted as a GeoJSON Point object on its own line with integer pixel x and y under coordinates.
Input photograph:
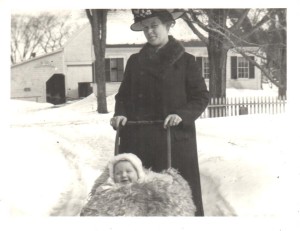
{"type": "Point", "coordinates": [196, 31]}
{"type": "Point", "coordinates": [265, 19]}
{"type": "Point", "coordinates": [241, 19]}
{"type": "Point", "coordinates": [195, 19]}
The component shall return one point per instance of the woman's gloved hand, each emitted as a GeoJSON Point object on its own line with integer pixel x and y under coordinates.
{"type": "Point", "coordinates": [172, 120]}
{"type": "Point", "coordinates": [117, 120]}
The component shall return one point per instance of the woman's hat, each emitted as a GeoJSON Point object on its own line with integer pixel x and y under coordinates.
{"type": "Point", "coordinates": [141, 14]}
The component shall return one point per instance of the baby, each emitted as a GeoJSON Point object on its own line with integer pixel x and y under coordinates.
{"type": "Point", "coordinates": [124, 172]}
{"type": "Point", "coordinates": [123, 169]}
{"type": "Point", "coordinates": [125, 188]}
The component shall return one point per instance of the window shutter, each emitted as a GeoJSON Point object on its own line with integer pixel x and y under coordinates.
{"type": "Point", "coordinates": [93, 73]}
{"type": "Point", "coordinates": [251, 69]}
{"type": "Point", "coordinates": [234, 67]}
{"type": "Point", "coordinates": [199, 62]}
{"type": "Point", "coordinates": [107, 70]}
{"type": "Point", "coordinates": [120, 66]}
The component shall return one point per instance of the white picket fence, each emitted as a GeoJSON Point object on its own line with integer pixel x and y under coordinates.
{"type": "Point", "coordinates": [221, 107]}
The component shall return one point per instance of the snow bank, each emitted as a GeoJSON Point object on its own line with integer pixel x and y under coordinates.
{"type": "Point", "coordinates": [267, 90]}
{"type": "Point", "coordinates": [37, 173]}
{"type": "Point", "coordinates": [241, 157]}
{"type": "Point", "coordinates": [55, 154]}
{"type": "Point", "coordinates": [21, 106]}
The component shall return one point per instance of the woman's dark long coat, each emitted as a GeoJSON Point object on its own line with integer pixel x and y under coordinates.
{"type": "Point", "coordinates": [155, 85]}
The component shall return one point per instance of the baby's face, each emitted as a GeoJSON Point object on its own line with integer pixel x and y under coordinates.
{"type": "Point", "coordinates": [125, 173]}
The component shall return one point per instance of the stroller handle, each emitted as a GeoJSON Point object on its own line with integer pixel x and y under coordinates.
{"type": "Point", "coordinates": [143, 122]}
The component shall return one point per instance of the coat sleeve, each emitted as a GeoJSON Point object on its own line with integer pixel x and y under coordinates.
{"type": "Point", "coordinates": [196, 92]}
{"type": "Point", "coordinates": [123, 96]}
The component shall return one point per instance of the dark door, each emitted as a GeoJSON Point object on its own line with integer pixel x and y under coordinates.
{"type": "Point", "coordinates": [55, 89]}
{"type": "Point", "coordinates": [84, 89]}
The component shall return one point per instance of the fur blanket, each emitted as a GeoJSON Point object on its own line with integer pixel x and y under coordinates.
{"type": "Point", "coordinates": [161, 194]}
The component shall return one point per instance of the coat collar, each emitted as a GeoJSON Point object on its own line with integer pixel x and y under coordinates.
{"type": "Point", "coordinates": [157, 62]}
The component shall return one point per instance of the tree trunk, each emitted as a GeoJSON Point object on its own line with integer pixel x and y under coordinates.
{"type": "Point", "coordinates": [98, 23]}
{"type": "Point", "coordinates": [217, 68]}
{"type": "Point", "coordinates": [283, 79]}
{"type": "Point", "coordinates": [217, 53]}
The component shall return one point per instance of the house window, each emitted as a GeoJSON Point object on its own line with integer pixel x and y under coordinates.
{"type": "Point", "coordinates": [205, 69]}
{"type": "Point", "coordinates": [242, 68]}
{"type": "Point", "coordinates": [114, 69]}
{"type": "Point", "coordinates": [203, 65]}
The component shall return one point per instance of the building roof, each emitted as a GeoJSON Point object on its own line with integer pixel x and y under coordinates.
{"type": "Point", "coordinates": [191, 43]}
{"type": "Point", "coordinates": [38, 57]}
{"type": "Point", "coordinates": [72, 37]}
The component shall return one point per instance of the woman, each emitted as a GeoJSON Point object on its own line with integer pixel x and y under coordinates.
{"type": "Point", "coordinates": [162, 82]}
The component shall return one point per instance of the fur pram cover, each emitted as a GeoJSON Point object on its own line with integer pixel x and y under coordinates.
{"type": "Point", "coordinates": [160, 194]}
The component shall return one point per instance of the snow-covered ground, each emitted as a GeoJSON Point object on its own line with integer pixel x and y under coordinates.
{"type": "Point", "coordinates": [248, 167]}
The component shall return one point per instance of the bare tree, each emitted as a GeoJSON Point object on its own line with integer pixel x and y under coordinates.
{"type": "Point", "coordinates": [33, 35]}
{"type": "Point", "coordinates": [56, 31]}
{"type": "Point", "coordinates": [224, 29]}
{"type": "Point", "coordinates": [98, 20]}
{"type": "Point", "coordinates": [276, 49]}
{"type": "Point", "coordinates": [25, 37]}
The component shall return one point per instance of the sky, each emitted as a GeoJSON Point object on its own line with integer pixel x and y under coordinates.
{"type": "Point", "coordinates": [118, 25]}
{"type": "Point", "coordinates": [248, 167]}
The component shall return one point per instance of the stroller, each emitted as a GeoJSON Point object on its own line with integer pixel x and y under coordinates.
{"type": "Point", "coordinates": [162, 194]}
